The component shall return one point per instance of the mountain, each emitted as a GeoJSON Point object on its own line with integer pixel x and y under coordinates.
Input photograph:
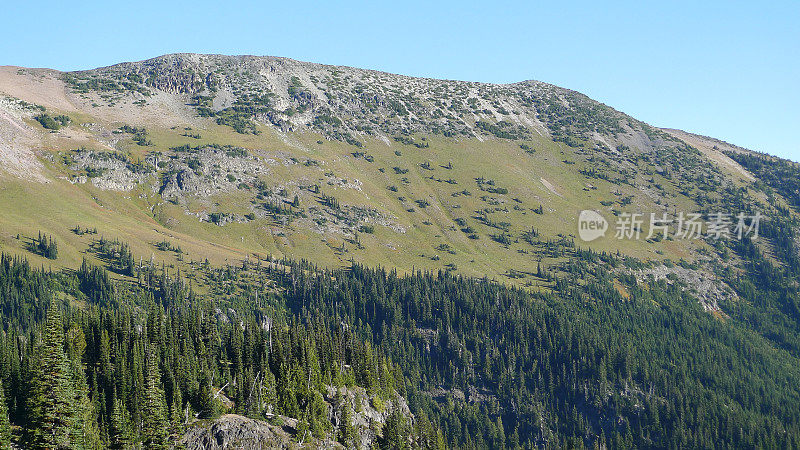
{"type": "Point", "coordinates": [443, 216]}
{"type": "Point", "coordinates": [404, 159]}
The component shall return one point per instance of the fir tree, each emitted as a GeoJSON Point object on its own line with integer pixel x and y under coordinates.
{"type": "Point", "coordinates": [175, 418]}
{"type": "Point", "coordinates": [119, 432]}
{"type": "Point", "coordinates": [395, 432]}
{"type": "Point", "coordinates": [85, 432]}
{"type": "Point", "coordinates": [53, 394]}
{"type": "Point", "coordinates": [347, 433]}
{"type": "Point", "coordinates": [269, 396]}
{"type": "Point", "coordinates": [206, 402]}
{"type": "Point", "coordinates": [155, 426]}
{"type": "Point", "coordinates": [5, 425]}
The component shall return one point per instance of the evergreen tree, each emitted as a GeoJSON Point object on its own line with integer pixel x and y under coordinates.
{"type": "Point", "coordinates": [5, 425]}
{"type": "Point", "coordinates": [52, 249]}
{"type": "Point", "coordinates": [119, 433]}
{"type": "Point", "coordinates": [269, 396]}
{"type": "Point", "coordinates": [85, 432]}
{"type": "Point", "coordinates": [347, 433]}
{"type": "Point", "coordinates": [53, 416]}
{"type": "Point", "coordinates": [316, 414]}
{"type": "Point", "coordinates": [176, 413]}
{"type": "Point", "coordinates": [395, 432]}
{"type": "Point", "coordinates": [46, 246]}
{"type": "Point", "coordinates": [206, 402]}
{"type": "Point", "coordinates": [154, 417]}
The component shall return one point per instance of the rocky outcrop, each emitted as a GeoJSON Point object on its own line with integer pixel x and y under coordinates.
{"type": "Point", "coordinates": [344, 102]}
{"type": "Point", "coordinates": [233, 431]}
{"type": "Point", "coordinates": [702, 284]}
{"type": "Point", "coordinates": [208, 170]}
{"type": "Point", "coordinates": [109, 170]}
{"type": "Point", "coordinates": [368, 414]}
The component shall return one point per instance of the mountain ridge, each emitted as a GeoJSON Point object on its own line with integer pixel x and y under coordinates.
{"type": "Point", "coordinates": [352, 137]}
{"type": "Point", "coordinates": [187, 60]}
{"type": "Point", "coordinates": [193, 74]}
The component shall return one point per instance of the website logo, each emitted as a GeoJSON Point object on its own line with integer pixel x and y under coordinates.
{"type": "Point", "coordinates": [591, 225]}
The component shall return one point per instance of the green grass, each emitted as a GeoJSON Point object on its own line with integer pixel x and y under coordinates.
{"type": "Point", "coordinates": [58, 206]}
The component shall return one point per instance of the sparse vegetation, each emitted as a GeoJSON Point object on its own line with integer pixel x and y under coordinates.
{"type": "Point", "coordinates": [52, 123]}
{"type": "Point", "coordinates": [45, 245]}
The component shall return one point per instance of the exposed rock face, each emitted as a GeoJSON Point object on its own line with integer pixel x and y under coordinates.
{"type": "Point", "coordinates": [367, 416]}
{"type": "Point", "coordinates": [198, 171]}
{"type": "Point", "coordinates": [703, 284]}
{"type": "Point", "coordinates": [344, 102]}
{"type": "Point", "coordinates": [353, 105]}
{"type": "Point", "coordinates": [208, 171]}
{"type": "Point", "coordinates": [232, 431]}
{"type": "Point", "coordinates": [16, 137]}
{"type": "Point", "coordinates": [110, 171]}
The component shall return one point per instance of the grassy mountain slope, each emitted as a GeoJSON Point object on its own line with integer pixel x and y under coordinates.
{"type": "Point", "coordinates": [388, 170]}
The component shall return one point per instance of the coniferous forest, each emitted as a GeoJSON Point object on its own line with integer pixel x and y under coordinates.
{"type": "Point", "coordinates": [87, 362]}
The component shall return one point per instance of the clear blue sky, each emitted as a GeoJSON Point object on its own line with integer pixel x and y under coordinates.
{"type": "Point", "coordinates": [724, 69]}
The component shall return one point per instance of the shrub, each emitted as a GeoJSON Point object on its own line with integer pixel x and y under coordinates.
{"type": "Point", "coordinates": [52, 123]}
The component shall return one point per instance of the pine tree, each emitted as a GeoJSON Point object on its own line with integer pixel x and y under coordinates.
{"type": "Point", "coordinates": [241, 407]}
{"type": "Point", "coordinates": [500, 442]}
{"type": "Point", "coordinates": [52, 412]}
{"type": "Point", "coordinates": [46, 246]}
{"type": "Point", "coordinates": [5, 425]}
{"type": "Point", "coordinates": [316, 413]}
{"type": "Point", "coordinates": [41, 245]}
{"type": "Point", "coordinates": [52, 249]}
{"type": "Point", "coordinates": [155, 426]}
